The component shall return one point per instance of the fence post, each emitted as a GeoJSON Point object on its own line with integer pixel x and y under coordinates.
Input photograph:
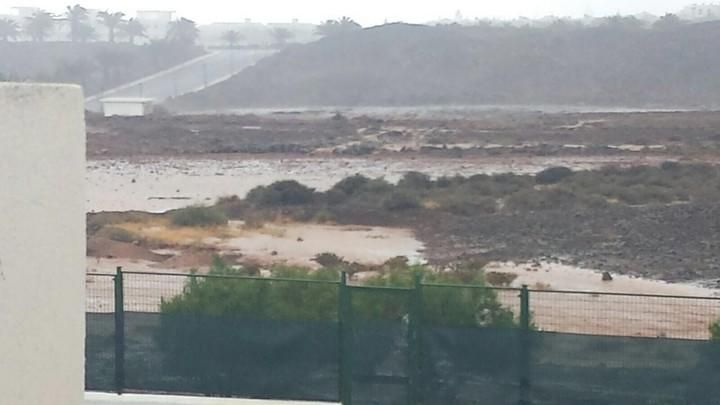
{"type": "Point", "coordinates": [119, 332]}
{"type": "Point", "coordinates": [345, 330]}
{"type": "Point", "coordinates": [524, 345]}
{"type": "Point", "coordinates": [415, 322]}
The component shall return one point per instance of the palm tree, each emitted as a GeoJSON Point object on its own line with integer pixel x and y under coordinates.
{"type": "Point", "coordinates": [133, 28]}
{"type": "Point", "coordinates": [282, 35]}
{"type": "Point", "coordinates": [9, 29]}
{"type": "Point", "coordinates": [668, 22]}
{"type": "Point", "coordinates": [183, 31]}
{"type": "Point", "coordinates": [334, 27]}
{"type": "Point", "coordinates": [111, 21]}
{"type": "Point", "coordinates": [232, 38]}
{"type": "Point", "coordinates": [77, 15]}
{"type": "Point", "coordinates": [86, 32]}
{"type": "Point", "coordinates": [39, 25]}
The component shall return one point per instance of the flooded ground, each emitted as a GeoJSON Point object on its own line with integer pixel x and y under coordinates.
{"type": "Point", "coordinates": [161, 184]}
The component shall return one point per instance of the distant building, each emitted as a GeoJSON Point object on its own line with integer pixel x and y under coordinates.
{"type": "Point", "coordinates": [700, 12]}
{"type": "Point", "coordinates": [127, 106]}
{"type": "Point", "coordinates": [25, 12]}
{"type": "Point", "coordinates": [156, 22]}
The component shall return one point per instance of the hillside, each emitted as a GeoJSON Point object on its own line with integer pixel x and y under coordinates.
{"type": "Point", "coordinates": [95, 65]}
{"type": "Point", "coordinates": [400, 64]}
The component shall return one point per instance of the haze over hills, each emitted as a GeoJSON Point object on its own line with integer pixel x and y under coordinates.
{"type": "Point", "coordinates": [618, 63]}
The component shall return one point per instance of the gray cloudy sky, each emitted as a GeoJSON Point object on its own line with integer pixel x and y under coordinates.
{"type": "Point", "coordinates": [367, 12]}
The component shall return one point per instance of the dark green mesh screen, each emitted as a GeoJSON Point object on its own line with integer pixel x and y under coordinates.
{"type": "Point", "coordinates": [248, 338]}
{"type": "Point", "coordinates": [380, 345]}
{"type": "Point", "coordinates": [470, 365]}
{"type": "Point", "coordinates": [100, 352]}
{"type": "Point", "coordinates": [571, 369]}
{"type": "Point", "coordinates": [436, 345]}
{"type": "Point", "coordinates": [100, 333]}
{"type": "Point", "coordinates": [231, 356]}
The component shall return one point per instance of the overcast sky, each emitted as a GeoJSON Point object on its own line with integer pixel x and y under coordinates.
{"type": "Point", "coordinates": [367, 12]}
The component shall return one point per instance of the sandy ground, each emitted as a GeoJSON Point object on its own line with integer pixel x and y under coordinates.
{"type": "Point", "coordinates": [158, 185]}
{"type": "Point", "coordinates": [686, 315]}
{"type": "Point", "coordinates": [96, 398]}
{"type": "Point", "coordinates": [299, 243]}
{"type": "Point", "coordinates": [274, 243]}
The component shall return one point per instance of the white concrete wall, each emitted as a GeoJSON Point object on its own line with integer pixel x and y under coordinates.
{"type": "Point", "coordinates": [42, 244]}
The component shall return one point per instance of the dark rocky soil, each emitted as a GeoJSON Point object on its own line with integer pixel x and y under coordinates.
{"type": "Point", "coordinates": [674, 243]}
{"type": "Point", "coordinates": [683, 134]}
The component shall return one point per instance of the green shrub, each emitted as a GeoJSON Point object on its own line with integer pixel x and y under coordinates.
{"type": "Point", "coordinates": [264, 299]}
{"type": "Point", "coordinates": [715, 330]}
{"type": "Point", "coordinates": [553, 175]}
{"type": "Point", "coordinates": [378, 186]}
{"type": "Point", "coordinates": [324, 216]}
{"type": "Point", "coordinates": [499, 279]}
{"type": "Point", "coordinates": [535, 200]}
{"type": "Point", "coordinates": [351, 185]}
{"type": "Point", "coordinates": [118, 234]}
{"type": "Point", "coordinates": [225, 319]}
{"type": "Point", "coordinates": [415, 181]}
{"type": "Point", "coordinates": [444, 182]}
{"type": "Point", "coordinates": [508, 183]}
{"type": "Point", "coordinates": [329, 260]}
{"type": "Point", "coordinates": [281, 193]}
{"type": "Point", "coordinates": [401, 200]}
{"type": "Point", "coordinates": [441, 306]}
{"type": "Point", "coordinates": [267, 299]}
{"type": "Point", "coordinates": [198, 216]}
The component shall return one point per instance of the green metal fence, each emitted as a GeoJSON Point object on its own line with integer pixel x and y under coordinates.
{"type": "Point", "coordinates": [379, 345]}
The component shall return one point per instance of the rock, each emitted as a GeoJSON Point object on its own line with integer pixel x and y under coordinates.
{"type": "Point", "coordinates": [606, 276]}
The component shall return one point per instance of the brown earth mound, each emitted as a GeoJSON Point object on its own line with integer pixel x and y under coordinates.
{"type": "Point", "coordinates": [106, 248]}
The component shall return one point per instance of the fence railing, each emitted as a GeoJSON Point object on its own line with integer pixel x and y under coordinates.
{"type": "Point", "coordinates": [398, 345]}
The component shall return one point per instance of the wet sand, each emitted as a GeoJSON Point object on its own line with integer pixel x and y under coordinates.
{"type": "Point", "coordinates": [685, 311]}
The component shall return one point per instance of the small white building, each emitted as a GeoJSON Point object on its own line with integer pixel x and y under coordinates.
{"type": "Point", "coordinates": [127, 106]}
{"type": "Point", "coordinates": [156, 22]}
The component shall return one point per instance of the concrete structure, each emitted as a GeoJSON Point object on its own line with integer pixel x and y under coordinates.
{"type": "Point", "coordinates": [127, 106]}
{"type": "Point", "coordinates": [42, 244]}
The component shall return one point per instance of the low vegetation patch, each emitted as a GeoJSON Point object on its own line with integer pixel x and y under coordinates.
{"type": "Point", "coordinates": [557, 188]}
{"type": "Point", "coordinates": [198, 216]}
{"type": "Point", "coordinates": [118, 234]}
{"type": "Point", "coordinates": [287, 300]}
{"type": "Point", "coordinates": [281, 193]}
